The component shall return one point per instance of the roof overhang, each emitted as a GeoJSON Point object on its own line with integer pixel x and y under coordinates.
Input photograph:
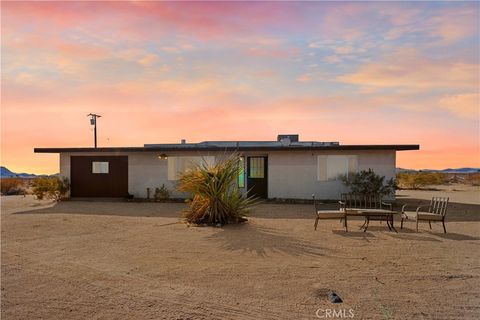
{"type": "Point", "coordinates": [396, 147]}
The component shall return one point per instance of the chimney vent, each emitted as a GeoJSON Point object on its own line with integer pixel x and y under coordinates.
{"type": "Point", "coordinates": [291, 137]}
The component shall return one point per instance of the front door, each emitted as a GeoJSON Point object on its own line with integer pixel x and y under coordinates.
{"type": "Point", "coordinates": [257, 172]}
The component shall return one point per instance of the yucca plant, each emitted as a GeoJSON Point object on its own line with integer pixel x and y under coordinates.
{"type": "Point", "coordinates": [216, 197]}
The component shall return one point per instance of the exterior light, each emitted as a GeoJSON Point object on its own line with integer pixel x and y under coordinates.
{"type": "Point", "coordinates": [163, 156]}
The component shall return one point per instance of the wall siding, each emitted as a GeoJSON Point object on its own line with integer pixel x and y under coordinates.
{"type": "Point", "coordinates": [291, 175]}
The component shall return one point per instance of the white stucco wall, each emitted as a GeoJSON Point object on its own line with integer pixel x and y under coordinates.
{"type": "Point", "coordinates": [146, 170]}
{"type": "Point", "coordinates": [294, 174]}
{"type": "Point", "coordinates": [291, 175]}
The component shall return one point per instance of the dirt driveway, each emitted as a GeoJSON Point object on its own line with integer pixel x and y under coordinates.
{"type": "Point", "coordinates": [116, 260]}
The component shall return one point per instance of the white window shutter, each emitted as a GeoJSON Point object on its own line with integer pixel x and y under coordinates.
{"type": "Point", "coordinates": [322, 168]}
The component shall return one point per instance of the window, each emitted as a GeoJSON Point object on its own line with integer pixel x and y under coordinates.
{"type": "Point", "coordinates": [241, 174]}
{"type": "Point", "coordinates": [179, 165]}
{"type": "Point", "coordinates": [257, 167]}
{"type": "Point", "coordinates": [332, 166]}
{"type": "Point", "coordinates": [99, 167]}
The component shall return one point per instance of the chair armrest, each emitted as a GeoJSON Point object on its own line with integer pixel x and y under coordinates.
{"type": "Point", "coordinates": [389, 205]}
{"type": "Point", "coordinates": [419, 207]}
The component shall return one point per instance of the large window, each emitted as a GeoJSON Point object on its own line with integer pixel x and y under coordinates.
{"type": "Point", "coordinates": [330, 167]}
{"type": "Point", "coordinates": [179, 165]}
{"type": "Point", "coordinates": [99, 167]}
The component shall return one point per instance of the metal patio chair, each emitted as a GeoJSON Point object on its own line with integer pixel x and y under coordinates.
{"type": "Point", "coordinates": [322, 214]}
{"type": "Point", "coordinates": [436, 211]}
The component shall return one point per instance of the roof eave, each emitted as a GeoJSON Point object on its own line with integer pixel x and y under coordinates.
{"type": "Point", "coordinates": [403, 147]}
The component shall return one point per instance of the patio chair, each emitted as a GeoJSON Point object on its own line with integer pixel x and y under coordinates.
{"type": "Point", "coordinates": [322, 214]}
{"type": "Point", "coordinates": [436, 211]}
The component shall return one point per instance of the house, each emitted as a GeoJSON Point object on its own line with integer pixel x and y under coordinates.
{"type": "Point", "coordinates": [286, 168]}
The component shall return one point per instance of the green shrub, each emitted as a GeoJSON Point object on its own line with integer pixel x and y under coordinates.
{"type": "Point", "coordinates": [52, 188]}
{"type": "Point", "coordinates": [368, 182]}
{"type": "Point", "coordinates": [415, 180]}
{"type": "Point", "coordinates": [161, 193]}
{"type": "Point", "coordinates": [216, 197]}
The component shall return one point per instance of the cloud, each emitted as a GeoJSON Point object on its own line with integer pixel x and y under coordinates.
{"type": "Point", "coordinates": [332, 59]}
{"type": "Point", "coordinates": [344, 50]}
{"type": "Point", "coordinates": [148, 59]}
{"type": "Point", "coordinates": [406, 68]}
{"type": "Point", "coordinates": [465, 105]}
{"type": "Point", "coordinates": [446, 25]}
{"type": "Point", "coordinates": [307, 77]}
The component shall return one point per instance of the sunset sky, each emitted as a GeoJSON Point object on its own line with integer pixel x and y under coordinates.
{"type": "Point", "coordinates": [358, 73]}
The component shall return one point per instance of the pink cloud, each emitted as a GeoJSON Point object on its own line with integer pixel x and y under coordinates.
{"type": "Point", "coordinates": [407, 68]}
{"type": "Point", "coordinates": [466, 105]}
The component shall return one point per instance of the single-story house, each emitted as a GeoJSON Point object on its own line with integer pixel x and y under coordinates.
{"type": "Point", "coordinates": [284, 169]}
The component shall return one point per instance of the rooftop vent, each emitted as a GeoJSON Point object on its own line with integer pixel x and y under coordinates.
{"type": "Point", "coordinates": [291, 137]}
{"type": "Point", "coordinates": [183, 141]}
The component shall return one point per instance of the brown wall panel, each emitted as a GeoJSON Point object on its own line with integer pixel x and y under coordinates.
{"type": "Point", "coordinates": [84, 183]}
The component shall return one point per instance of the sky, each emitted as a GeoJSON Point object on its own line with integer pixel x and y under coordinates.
{"type": "Point", "coordinates": [353, 72]}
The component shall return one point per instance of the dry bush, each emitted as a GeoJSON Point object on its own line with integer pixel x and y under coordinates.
{"type": "Point", "coordinates": [473, 179]}
{"type": "Point", "coordinates": [12, 186]}
{"type": "Point", "coordinates": [162, 193]}
{"type": "Point", "coordinates": [416, 180]}
{"type": "Point", "coordinates": [52, 188]}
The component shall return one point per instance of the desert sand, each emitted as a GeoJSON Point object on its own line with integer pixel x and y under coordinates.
{"type": "Point", "coordinates": [119, 260]}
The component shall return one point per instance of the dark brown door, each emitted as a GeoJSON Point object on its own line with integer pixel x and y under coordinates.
{"type": "Point", "coordinates": [257, 172]}
{"type": "Point", "coordinates": [99, 176]}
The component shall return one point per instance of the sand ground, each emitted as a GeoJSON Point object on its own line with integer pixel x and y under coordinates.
{"type": "Point", "coordinates": [117, 260]}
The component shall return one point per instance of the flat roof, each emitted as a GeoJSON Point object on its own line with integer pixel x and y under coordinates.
{"type": "Point", "coordinates": [240, 147]}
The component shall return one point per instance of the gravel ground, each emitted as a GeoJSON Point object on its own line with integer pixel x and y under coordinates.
{"type": "Point", "coordinates": [118, 260]}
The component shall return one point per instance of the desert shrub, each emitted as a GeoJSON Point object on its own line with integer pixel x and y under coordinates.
{"type": "Point", "coordinates": [473, 179]}
{"type": "Point", "coordinates": [161, 193]}
{"type": "Point", "coordinates": [368, 182]}
{"type": "Point", "coordinates": [53, 188]}
{"type": "Point", "coordinates": [415, 180]}
{"type": "Point", "coordinates": [216, 197]}
{"type": "Point", "coordinates": [12, 186]}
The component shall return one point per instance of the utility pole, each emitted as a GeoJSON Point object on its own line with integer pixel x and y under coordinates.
{"type": "Point", "coordinates": [93, 122]}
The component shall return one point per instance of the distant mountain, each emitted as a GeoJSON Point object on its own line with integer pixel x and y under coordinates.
{"type": "Point", "coordinates": [401, 170]}
{"type": "Point", "coordinates": [5, 173]}
{"type": "Point", "coordinates": [461, 170]}
{"type": "Point", "coordinates": [449, 170]}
